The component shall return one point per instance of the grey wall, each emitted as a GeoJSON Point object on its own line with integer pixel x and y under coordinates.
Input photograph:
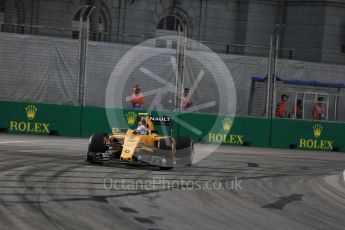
{"type": "Point", "coordinates": [334, 34]}
{"type": "Point", "coordinates": [261, 22]}
{"type": "Point", "coordinates": [304, 30]}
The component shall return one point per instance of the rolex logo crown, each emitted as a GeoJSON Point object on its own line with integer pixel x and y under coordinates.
{"type": "Point", "coordinates": [227, 123]}
{"type": "Point", "coordinates": [31, 111]}
{"type": "Point", "coordinates": [131, 118]}
{"type": "Point", "coordinates": [317, 130]}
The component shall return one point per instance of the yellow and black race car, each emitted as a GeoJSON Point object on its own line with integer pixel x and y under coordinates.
{"type": "Point", "coordinates": [143, 145]}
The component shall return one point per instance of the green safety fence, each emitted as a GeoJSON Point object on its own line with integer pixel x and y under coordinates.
{"type": "Point", "coordinates": [311, 135]}
{"type": "Point", "coordinates": [224, 129]}
{"type": "Point", "coordinates": [38, 118]}
{"type": "Point", "coordinates": [96, 120]}
{"type": "Point", "coordinates": [201, 127]}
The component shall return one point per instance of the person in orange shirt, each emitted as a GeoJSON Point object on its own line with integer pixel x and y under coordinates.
{"type": "Point", "coordinates": [137, 99]}
{"type": "Point", "coordinates": [318, 110]}
{"type": "Point", "coordinates": [282, 106]}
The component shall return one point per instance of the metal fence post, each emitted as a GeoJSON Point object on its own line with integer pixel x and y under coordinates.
{"type": "Point", "coordinates": [272, 71]}
{"type": "Point", "coordinates": [83, 41]}
{"type": "Point", "coordinates": [268, 82]}
{"type": "Point", "coordinates": [274, 75]}
{"type": "Point", "coordinates": [177, 69]}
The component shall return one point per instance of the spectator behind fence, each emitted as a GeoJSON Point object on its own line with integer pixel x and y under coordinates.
{"type": "Point", "coordinates": [297, 110]}
{"type": "Point", "coordinates": [318, 110]}
{"type": "Point", "coordinates": [185, 101]}
{"type": "Point", "coordinates": [282, 106]}
{"type": "Point", "coordinates": [137, 98]}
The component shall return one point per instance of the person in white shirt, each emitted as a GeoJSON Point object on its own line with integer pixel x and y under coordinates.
{"type": "Point", "coordinates": [185, 101]}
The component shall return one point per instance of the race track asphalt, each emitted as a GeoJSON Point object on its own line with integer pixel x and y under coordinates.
{"type": "Point", "coordinates": [46, 184]}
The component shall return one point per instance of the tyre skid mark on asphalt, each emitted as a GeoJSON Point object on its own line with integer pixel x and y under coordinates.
{"type": "Point", "coordinates": [90, 197]}
{"type": "Point", "coordinates": [21, 194]}
{"type": "Point", "coordinates": [222, 205]}
{"type": "Point", "coordinates": [54, 222]}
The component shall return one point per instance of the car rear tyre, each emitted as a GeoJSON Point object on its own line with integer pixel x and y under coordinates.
{"type": "Point", "coordinates": [185, 151]}
{"type": "Point", "coordinates": [166, 147]}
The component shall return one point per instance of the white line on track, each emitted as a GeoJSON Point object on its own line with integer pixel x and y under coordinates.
{"type": "Point", "coordinates": [31, 141]}
{"type": "Point", "coordinates": [10, 142]}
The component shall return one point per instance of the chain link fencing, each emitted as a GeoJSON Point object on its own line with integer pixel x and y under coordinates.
{"type": "Point", "coordinates": [156, 67]}
{"type": "Point", "coordinates": [40, 64]}
{"type": "Point", "coordinates": [39, 68]}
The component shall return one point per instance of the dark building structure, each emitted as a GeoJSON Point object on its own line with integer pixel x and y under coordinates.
{"type": "Point", "coordinates": [309, 30]}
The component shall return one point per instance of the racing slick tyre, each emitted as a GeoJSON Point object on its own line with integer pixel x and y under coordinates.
{"type": "Point", "coordinates": [116, 148]}
{"type": "Point", "coordinates": [97, 144]}
{"type": "Point", "coordinates": [166, 147]}
{"type": "Point", "coordinates": [185, 151]}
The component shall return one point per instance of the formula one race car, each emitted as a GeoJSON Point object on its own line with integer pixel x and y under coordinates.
{"type": "Point", "coordinates": [144, 146]}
